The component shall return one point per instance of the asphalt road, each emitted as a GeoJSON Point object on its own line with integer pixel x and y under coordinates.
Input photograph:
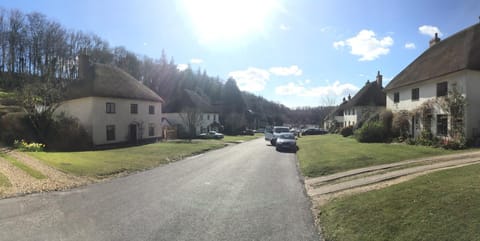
{"type": "Point", "coordinates": [242, 192]}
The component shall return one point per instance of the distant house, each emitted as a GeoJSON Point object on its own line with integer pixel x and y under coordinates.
{"type": "Point", "coordinates": [447, 65]}
{"type": "Point", "coordinates": [112, 106]}
{"type": "Point", "coordinates": [191, 102]}
{"type": "Point", "coordinates": [352, 111]}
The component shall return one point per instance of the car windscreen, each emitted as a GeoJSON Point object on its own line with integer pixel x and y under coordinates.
{"type": "Point", "coordinates": [281, 129]}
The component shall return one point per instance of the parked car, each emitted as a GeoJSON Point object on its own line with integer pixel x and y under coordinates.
{"type": "Point", "coordinates": [248, 132]}
{"type": "Point", "coordinates": [286, 142]}
{"type": "Point", "coordinates": [260, 130]}
{"type": "Point", "coordinates": [211, 135]}
{"type": "Point", "coordinates": [271, 134]}
{"type": "Point", "coordinates": [314, 131]}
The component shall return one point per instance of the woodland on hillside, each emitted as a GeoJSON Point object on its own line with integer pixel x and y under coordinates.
{"type": "Point", "coordinates": [37, 50]}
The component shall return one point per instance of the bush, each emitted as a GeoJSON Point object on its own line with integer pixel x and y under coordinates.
{"type": "Point", "coordinates": [25, 146]}
{"type": "Point", "coordinates": [66, 134]}
{"type": "Point", "coordinates": [347, 131]}
{"type": "Point", "coordinates": [372, 132]}
{"type": "Point", "coordinates": [15, 126]}
{"type": "Point", "coordinates": [400, 125]}
{"type": "Point", "coordinates": [454, 144]}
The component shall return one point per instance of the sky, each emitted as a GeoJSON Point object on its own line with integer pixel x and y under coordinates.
{"type": "Point", "coordinates": [297, 52]}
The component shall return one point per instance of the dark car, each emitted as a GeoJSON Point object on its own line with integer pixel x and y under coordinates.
{"type": "Point", "coordinates": [248, 132]}
{"type": "Point", "coordinates": [211, 135]}
{"type": "Point", "coordinates": [286, 142]}
{"type": "Point", "coordinates": [314, 131]}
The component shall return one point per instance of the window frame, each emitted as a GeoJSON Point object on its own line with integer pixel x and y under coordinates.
{"type": "Point", "coordinates": [151, 109]}
{"type": "Point", "coordinates": [442, 89]}
{"type": "Point", "coordinates": [151, 129]}
{"type": "Point", "coordinates": [110, 132]}
{"type": "Point", "coordinates": [110, 108]}
{"type": "Point", "coordinates": [442, 125]}
{"type": "Point", "coordinates": [396, 97]}
{"type": "Point", "coordinates": [415, 94]}
{"type": "Point", "coordinates": [133, 108]}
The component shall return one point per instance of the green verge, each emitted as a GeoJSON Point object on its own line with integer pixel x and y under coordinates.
{"type": "Point", "coordinates": [327, 154]}
{"type": "Point", "coordinates": [30, 171]}
{"type": "Point", "coordinates": [4, 182]}
{"type": "Point", "coordinates": [437, 206]}
{"type": "Point", "coordinates": [108, 162]}
{"type": "Point", "coordinates": [242, 138]}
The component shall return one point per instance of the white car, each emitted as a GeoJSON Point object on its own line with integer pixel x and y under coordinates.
{"type": "Point", "coordinates": [271, 134]}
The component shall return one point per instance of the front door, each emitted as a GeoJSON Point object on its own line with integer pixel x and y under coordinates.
{"type": "Point", "coordinates": [133, 133]}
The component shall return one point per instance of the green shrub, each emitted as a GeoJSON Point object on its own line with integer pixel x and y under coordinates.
{"type": "Point", "coordinates": [66, 134]}
{"type": "Point", "coordinates": [401, 125]}
{"type": "Point", "coordinates": [372, 132]}
{"type": "Point", "coordinates": [25, 146]}
{"type": "Point", "coordinates": [347, 131]}
{"type": "Point", "coordinates": [15, 126]}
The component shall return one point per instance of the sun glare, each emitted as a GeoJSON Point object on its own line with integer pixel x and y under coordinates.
{"type": "Point", "coordinates": [228, 20]}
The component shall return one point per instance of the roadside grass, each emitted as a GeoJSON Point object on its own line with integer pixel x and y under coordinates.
{"type": "Point", "coordinates": [30, 171]}
{"type": "Point", "coordinates": [328, 154]}
{"type": "Point", "coordinates": [438, 206]}
{"type": "Point", "coordinates": [242, 138]}
{"type": "Point", "coordinates": [109, 162]}
{"type": "Point", "coordinates": [4, 182]}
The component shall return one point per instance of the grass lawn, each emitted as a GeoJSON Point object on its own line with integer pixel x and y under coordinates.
{"type": "Point", "coordinates": [242, 138]}
{"type": "Point", "coordinates": [437, 206]}
{"type": "Point", "coordinates": [108, 162]}
{"type": "Point", "coordinates": [327, 154]}
{"type": "Point", "coordinates": [4, 182]}
{"type": "Point", "coordinates": [32, 172]}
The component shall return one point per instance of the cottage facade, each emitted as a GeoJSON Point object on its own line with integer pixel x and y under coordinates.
{"type": "Point", "coordinates": [354, 110]}
{"type": "Point", "coordinates": [447, 65]}
{"type": "Point", "coordinates": [112, 106]}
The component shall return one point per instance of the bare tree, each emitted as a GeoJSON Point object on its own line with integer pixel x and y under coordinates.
{"type": "Point", "coordinates": [191, 118]}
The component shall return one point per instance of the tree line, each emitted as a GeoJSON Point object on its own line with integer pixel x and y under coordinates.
{"type": "Point", "coordinates": [34, 48]}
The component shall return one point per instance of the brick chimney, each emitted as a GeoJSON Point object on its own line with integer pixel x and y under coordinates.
{"type": "Point", "coordinates": [379, 79]}
{"type": "Point", "coordinates": [84, 68]}
{"type": "Point", "coordinates": [435, 40]}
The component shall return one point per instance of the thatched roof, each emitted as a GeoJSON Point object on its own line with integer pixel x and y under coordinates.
{"type": "Point", "coordinates": [103, 80]}
{"type": "Point", "coordinates": [457, 52]}
{"type": "Point", "coordinates": [370, 95]}
{"type": "Point", "coordinates": [190, 99]}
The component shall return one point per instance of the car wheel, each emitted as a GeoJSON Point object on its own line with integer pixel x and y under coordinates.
{"type": "Point", "coordinates": [273, 142]}
{"type": "Point", "coordinates": [276, 148]}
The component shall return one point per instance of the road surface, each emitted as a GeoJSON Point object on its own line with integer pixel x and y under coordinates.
{"type": "Point", "coordinates": [242, 192]}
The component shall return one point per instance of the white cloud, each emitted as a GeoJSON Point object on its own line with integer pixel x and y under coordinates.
{"type": "Point", "coordinates": [338, 44]}
{"type": "Point", "coordinates": [430, 30]}
{"type": "Point", "coordinates": [410, 46]}
{"type": "Point", "coordinates": [284, 27]}
{"type": "Point", "coordinates": [196, 61]}
{"type": "Point", "coordinates": [251, 79]}
{"type": "Point", "coordinates": [286, 71]}
{"type": "Point", "coordinates": [182, 67]}
{"type": "Point", "coordinates": [366, 45]}
{"type": "Point", "coordinates": [290, 89]}
{"type": "Point", "coordinates": [335, 89]}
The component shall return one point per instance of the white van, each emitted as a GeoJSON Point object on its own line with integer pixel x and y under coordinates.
{"type": "Point", "coordinates": [271, 133]}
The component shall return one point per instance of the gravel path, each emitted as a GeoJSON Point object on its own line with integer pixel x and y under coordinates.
{"type": "Point", "coordinates": [322, 189]}
{"type": "Point", "coordinates": [23, 183]}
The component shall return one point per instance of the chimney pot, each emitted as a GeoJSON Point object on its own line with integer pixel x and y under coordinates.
{"type": "Point", "coordinates": [379, 79]}
{"type": "Point", "coordinates": [435, 40]}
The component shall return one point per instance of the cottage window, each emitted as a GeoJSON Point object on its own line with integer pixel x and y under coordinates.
{"type": "Point", "coordinates": [110, 107]}
{"type": "Point", "coordinates": [134, 108]}
{"type": "Point", "coordinates": [214, 117]}
{"type": "Point", "coordinates": [151, 129]}
{"type": "Point", "coordinates": [353, 111]}
{"type": "Point", "coordinates": [208, 117]}
{"type": "Point", "coordinates": [110, 132]}
{"type": "Point", "coordinates": [151, 109]}
{"type": "Point", "coordinates": [396, 97]}
{"type": "Point", "coordinates": [442, 89]}
{"type": "Point", "coordinates": [442, 125]}
{"type": "Point", "coordinates": [415, 94]}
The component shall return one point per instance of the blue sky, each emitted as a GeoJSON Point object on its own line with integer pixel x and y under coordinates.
{"type": "Point", "coordinates": [298, 53]}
